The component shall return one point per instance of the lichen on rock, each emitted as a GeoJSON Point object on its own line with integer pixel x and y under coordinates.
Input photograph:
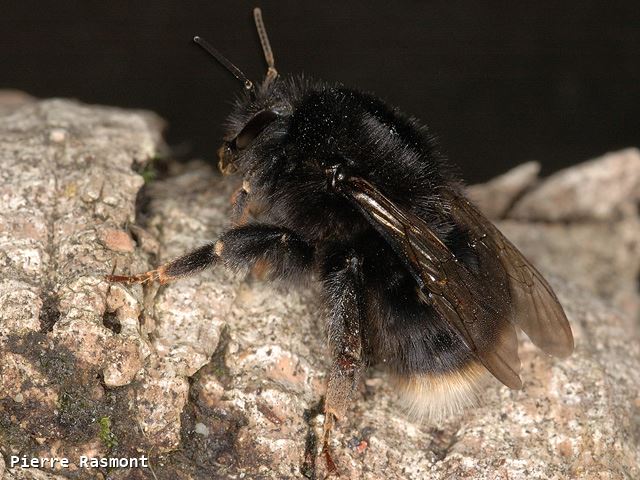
{"type": "Point", "coordinates": [219, 376]}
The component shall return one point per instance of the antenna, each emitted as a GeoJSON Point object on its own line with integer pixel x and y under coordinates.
{"type": "Point", "coordinates": [248, 84]}
{"type": "Point", "coordinates": [272, 73]}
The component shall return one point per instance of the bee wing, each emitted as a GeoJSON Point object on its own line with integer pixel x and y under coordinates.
{"type": "Point", "coordinates": [483, 304]}
{"type": "Point", "coordinates": [535, 308]}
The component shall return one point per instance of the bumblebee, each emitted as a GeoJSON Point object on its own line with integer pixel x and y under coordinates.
{"type": "Point", "coordinates": [342, 187]}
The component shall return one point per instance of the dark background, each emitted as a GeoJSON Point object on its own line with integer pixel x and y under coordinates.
{"type": "Point", "coordinates": [501, 82]}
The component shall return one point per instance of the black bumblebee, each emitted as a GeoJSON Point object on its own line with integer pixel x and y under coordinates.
{"type": "Point", "coordinates": [338, 184]}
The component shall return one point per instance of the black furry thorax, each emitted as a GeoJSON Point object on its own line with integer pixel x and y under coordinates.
{"type": "Point", "coordinates": [321, 126]}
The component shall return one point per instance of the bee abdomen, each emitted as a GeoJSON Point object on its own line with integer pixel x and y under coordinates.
{"type": "Point", "coordinates": [437, 396]}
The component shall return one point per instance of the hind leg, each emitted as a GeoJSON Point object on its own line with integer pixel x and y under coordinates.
{"type": "Point", "coordinates": [343, 287]}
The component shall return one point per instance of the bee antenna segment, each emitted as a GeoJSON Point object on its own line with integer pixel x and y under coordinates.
{"type": "Point", "coordinates": [272, 73]}
{"type": "Point", "coordinates": [201, 42]}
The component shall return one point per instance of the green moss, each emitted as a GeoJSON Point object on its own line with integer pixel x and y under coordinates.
{"type": "Point", "coordinates": [106, 435]}
{"type": "Point", "coordinates": [149, 173]}
{"type": "Point", "coordinates": [148, 170]}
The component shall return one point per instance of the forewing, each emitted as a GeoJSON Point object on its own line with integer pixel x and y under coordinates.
{"type": "Point", "coordinates": [476, 305]}
{"type": "Point", "coordinates": [535, 308]}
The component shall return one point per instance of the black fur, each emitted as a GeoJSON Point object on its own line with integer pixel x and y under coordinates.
{"type": "Point", "coordinates": [326, 125]}
{"type": "Point", "coordinates": [321, 126]}
{"type": "Point", "coordinates": [284, 254]}
{"type": "Point", "coordinates": [192, 262]}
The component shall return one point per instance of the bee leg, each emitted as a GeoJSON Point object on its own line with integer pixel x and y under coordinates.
{"type": "Point", "coordinates": [343, 289]}
{"type": "Point", "coordinates": [267, 250]}
{"type": "Point", "coordinates": [188, 264]}
{"type": "Point", "coordinates": [240, 206]}
{"type": "Point", "coordinates": [272, 248]}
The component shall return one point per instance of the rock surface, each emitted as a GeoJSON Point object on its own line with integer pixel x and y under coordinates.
{"type": "Point", "coordinates": [601, 189]}
{"type": "Point", "coordinates": [581, 222]}
{"type": "Point", "coordinates": [218, 376]}
{"type": "Point", "coordinates": [498, 195]}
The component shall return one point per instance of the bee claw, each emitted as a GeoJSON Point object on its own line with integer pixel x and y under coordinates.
{"type": "Point", "coordinates": [332, 469]}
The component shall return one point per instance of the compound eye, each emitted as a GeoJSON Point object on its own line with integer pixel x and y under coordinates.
{"type": "Point", "coordinates": [256, 125]}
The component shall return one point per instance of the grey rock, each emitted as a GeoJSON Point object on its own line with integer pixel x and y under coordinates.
{"type": "Point", "coordinates": [66, 178]}
{"type": "Point", "coordinates": [599, 189]}
{"type": "Point", "coordinates": [586, 222]}
{"type": "Point", "coordinates": [238, 359]}
{"type": "Point", "coordinates": [11, 100]}
{"type": "Point", "coordinates": [496, 197]}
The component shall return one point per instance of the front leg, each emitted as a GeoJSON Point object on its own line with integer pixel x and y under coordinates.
{"type": "Point", "coordinates": [343, 286]}
{"type": "Point", "coordinates": [279, 252]}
